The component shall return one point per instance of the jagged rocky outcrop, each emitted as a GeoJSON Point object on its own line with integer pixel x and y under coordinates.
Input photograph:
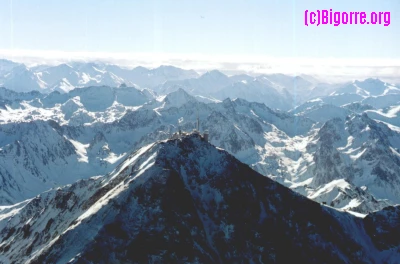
{"type": "Point", "coordinates": [362, 151]}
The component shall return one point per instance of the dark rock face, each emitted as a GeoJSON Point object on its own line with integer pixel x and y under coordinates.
{"type": "Point", "coordinates": [384, 227]}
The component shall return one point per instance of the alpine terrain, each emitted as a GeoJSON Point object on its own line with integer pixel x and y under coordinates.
{"type": "Point", "coordinates": [107, 164]}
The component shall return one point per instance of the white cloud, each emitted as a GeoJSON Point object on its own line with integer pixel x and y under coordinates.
{"type": "Point", "coordinates": [331, 69]}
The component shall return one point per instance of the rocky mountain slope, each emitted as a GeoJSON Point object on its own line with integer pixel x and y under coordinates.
{"type": "Point", "coordinates": [184, 200]}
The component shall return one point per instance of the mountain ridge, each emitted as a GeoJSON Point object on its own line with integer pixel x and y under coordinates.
{"type": "Point", "coordinates": [184, 192]}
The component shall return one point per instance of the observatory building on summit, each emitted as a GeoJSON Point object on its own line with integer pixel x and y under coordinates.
{"type": "Point", "coordinates": [196, 130]}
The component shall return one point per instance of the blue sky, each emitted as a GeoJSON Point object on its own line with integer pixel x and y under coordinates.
{"type": "Point", "coordinates": [273, 28]}
{"type": "Point", "coordinates": [267, 27]}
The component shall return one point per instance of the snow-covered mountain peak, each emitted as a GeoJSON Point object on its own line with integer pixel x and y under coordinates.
{"type": "Point", "coordinates": [170, 71]}
{"type": "Point", "coordinates": [372, 86]}
{"type": "Point", "coordinates": [362, 124]}
{"type": "Point", "coordinates": [185, 200]}
{"type": "Point", "coordinates": [213, 74]}
{"type": "Point", "coordinates": [59, 69]}
{"type": "Point", "coordinates": [178, 98]}
{"type": "Point", "coordinates": [140, 69]}
{"type": "Point", "coordinates": [6, 66]}
{"type": "Point", "coordinates": [71, 106]}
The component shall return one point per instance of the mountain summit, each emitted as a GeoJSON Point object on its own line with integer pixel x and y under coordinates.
{"type": "Point", "coordinates": [184, 200]}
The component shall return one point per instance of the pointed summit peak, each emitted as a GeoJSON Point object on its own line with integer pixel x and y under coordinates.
{"type": "Point", "coordinates": [228, 102]}
{"type": "Point", "coordinates": [178, 98]}
{"type": "Point", "coordinates": [214, 74]}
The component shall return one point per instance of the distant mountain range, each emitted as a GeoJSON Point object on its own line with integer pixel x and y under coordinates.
{"type": "Point", "coordinates": [275, 90]}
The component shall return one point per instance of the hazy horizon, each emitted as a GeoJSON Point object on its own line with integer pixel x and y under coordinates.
{"type": "Point", "coordinates": [228, 68]}
{"type": "Point", "coordinates": [253, 37]}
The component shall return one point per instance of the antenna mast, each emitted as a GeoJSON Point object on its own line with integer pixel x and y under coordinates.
{"type": "Point", "coordinates": [198, 121]}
